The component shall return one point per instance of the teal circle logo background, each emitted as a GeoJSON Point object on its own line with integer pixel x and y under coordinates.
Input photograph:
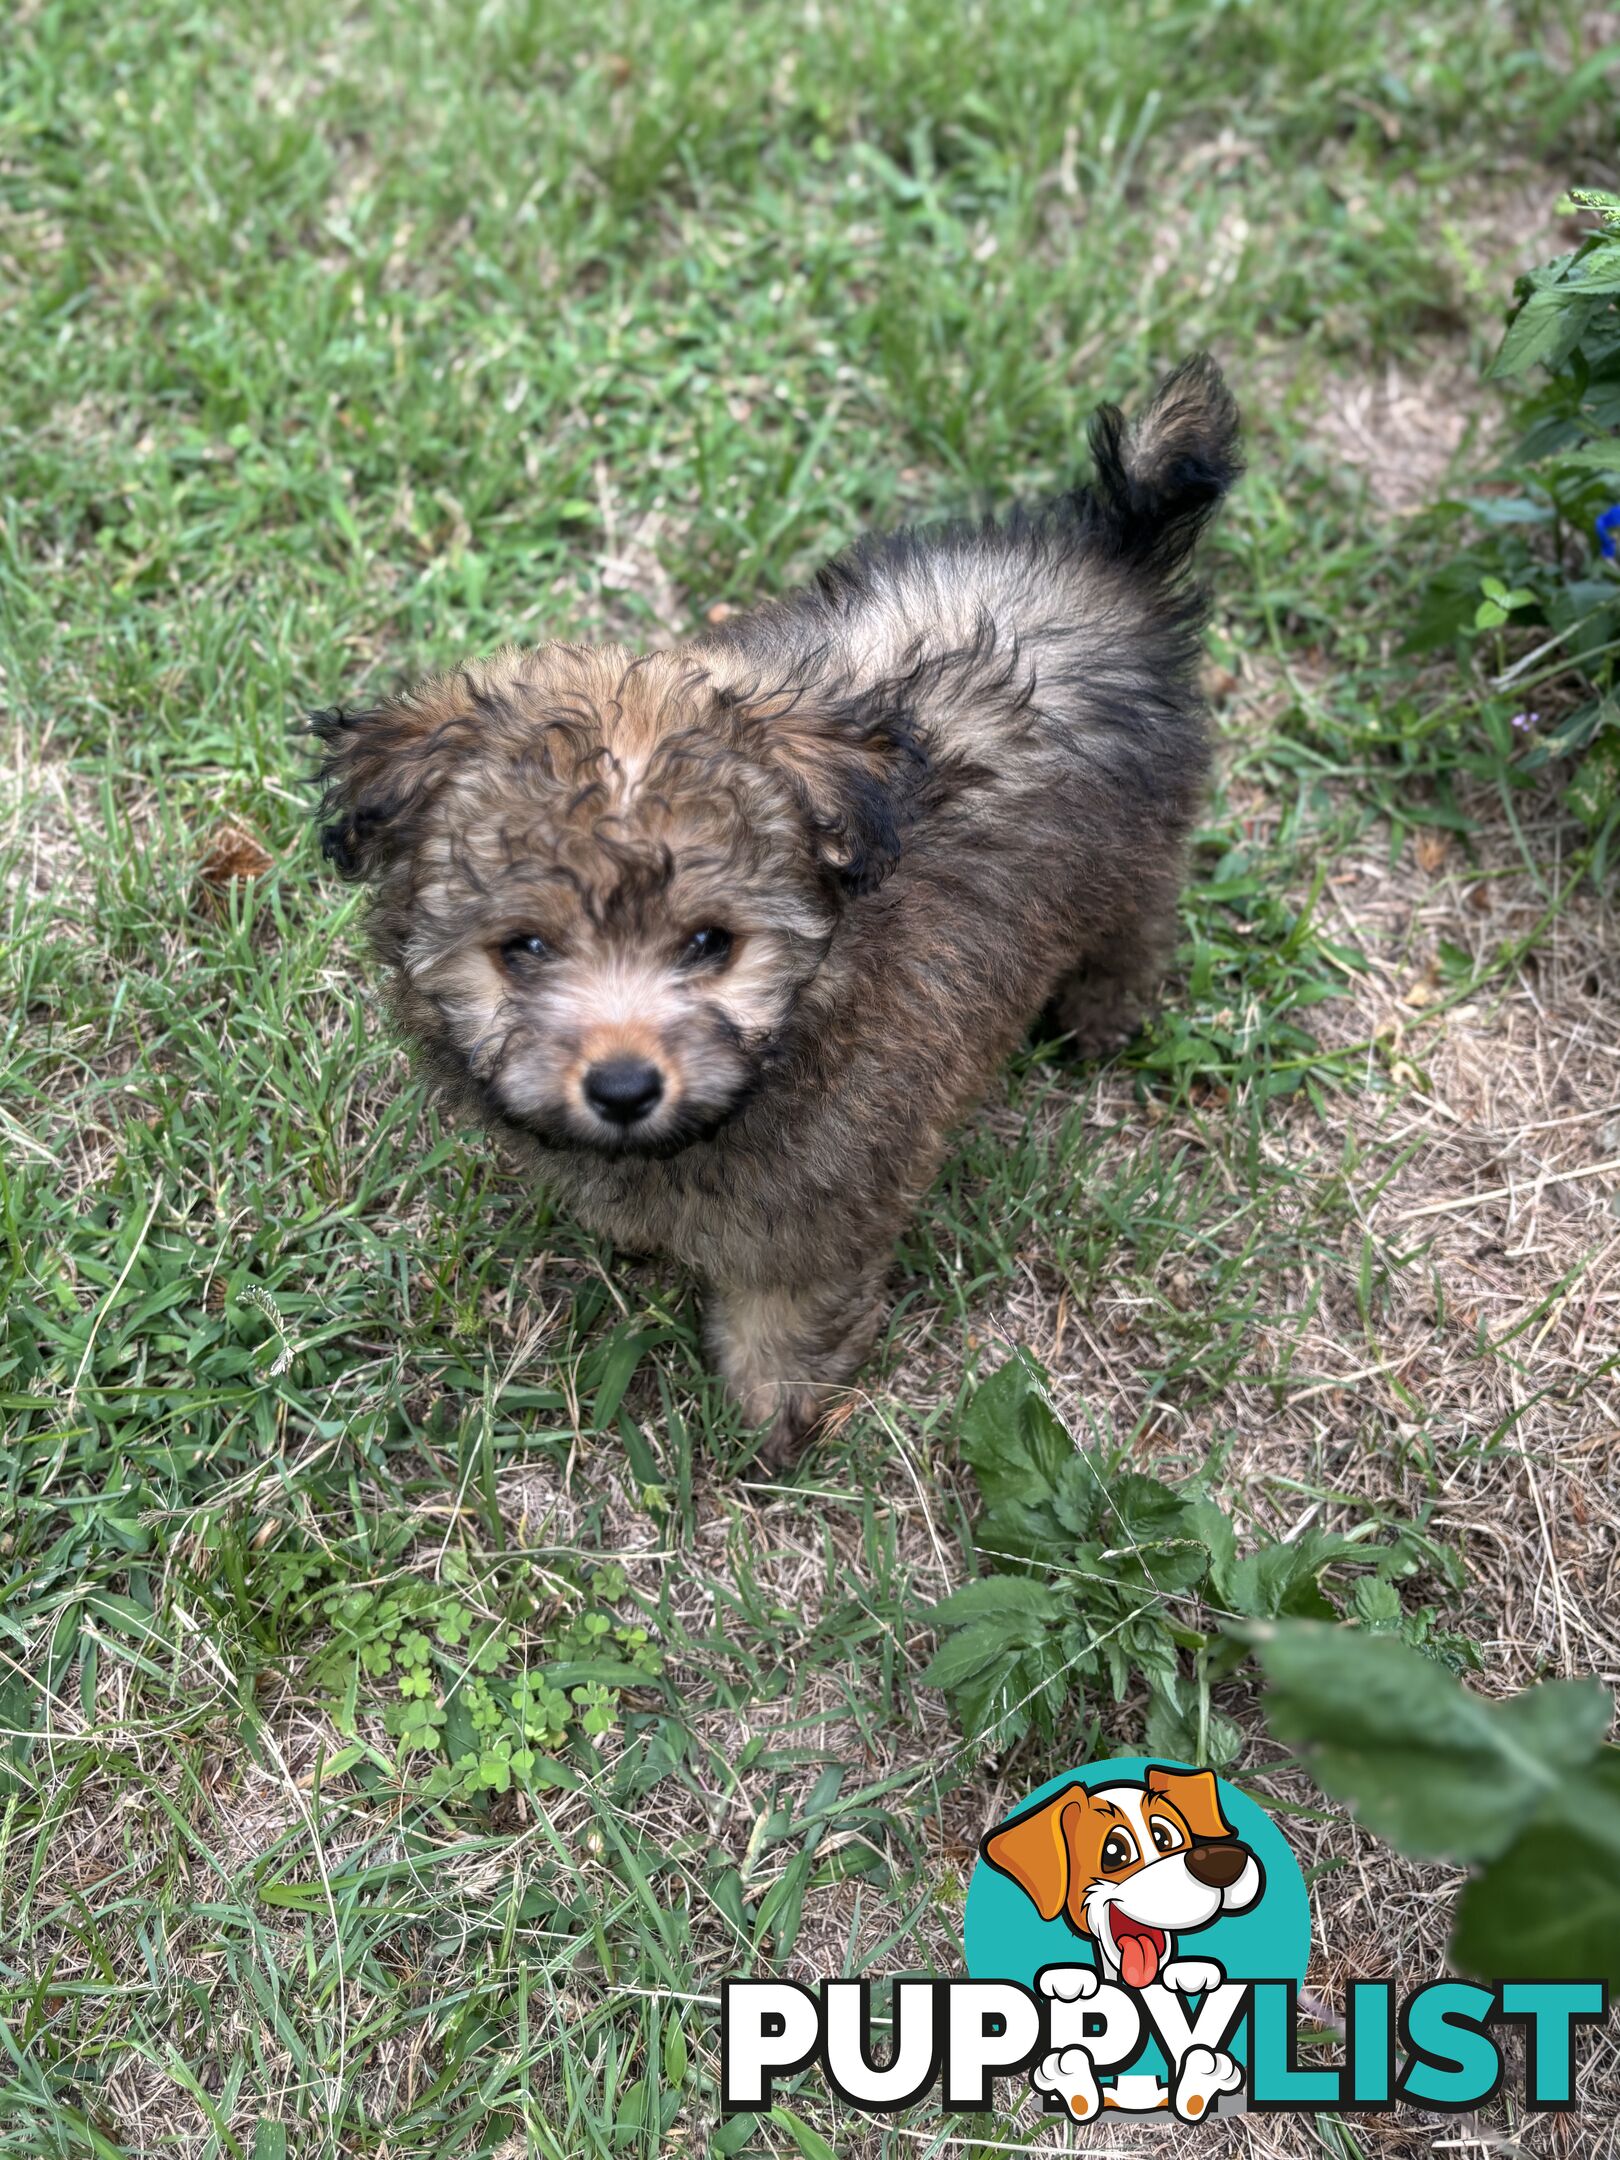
{"type": "Point", "coordinates": [1005, 1938]}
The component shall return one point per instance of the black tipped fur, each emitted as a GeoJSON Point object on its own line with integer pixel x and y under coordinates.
{"type": "Point", "coordinates": [1160, 479]}
{"type": "Point", "coordinates": [378, 771]}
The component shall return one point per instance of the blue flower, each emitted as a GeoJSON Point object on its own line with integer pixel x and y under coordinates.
{"type": "Point", "coordinates": [1607, 523]}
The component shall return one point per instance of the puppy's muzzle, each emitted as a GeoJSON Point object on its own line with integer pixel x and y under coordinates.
{"type": "Point", "coordinates": [1217, 1867]}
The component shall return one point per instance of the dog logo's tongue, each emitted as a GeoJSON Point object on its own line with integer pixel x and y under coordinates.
{"type": "Point", "coordinates": [1140, 1946]}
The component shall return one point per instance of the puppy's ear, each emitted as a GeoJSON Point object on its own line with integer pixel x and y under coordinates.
{"type": "Point", "coordinates": [383, 766]}
{"type": "Point", "coordinates": [1193, 1795]}
{"type": "Point", "coordinates": [855, 766]}
{"type": "Point", "coordinates": [1033, 1849]}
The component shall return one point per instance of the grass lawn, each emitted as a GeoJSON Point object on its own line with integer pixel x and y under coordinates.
{"type": "Point", "coordinates": [340, 343]}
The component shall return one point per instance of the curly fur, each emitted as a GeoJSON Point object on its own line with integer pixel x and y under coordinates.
{"type": "Point", "coordinates": [948, 783]}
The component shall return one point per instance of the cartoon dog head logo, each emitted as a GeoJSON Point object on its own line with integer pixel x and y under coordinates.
{"type": "Point", "coordinates": [1131, 1866]}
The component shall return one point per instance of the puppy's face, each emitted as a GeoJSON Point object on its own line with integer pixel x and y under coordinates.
{"type": "Point", "coordinates": [604, 884]}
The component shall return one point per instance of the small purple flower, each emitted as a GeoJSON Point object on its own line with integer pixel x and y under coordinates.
{"type": "Point", "coordinates": [1525, 719]}
{"type": "Point", "coordinates": [1607, 524]}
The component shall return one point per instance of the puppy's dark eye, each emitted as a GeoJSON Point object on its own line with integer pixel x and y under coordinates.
{"type": "Point", "coordinates": [524, 951]}
{"type": "Point", "coordinates": [707, 948]}
{"type": "Point", "coordinates": [1118, 1850]}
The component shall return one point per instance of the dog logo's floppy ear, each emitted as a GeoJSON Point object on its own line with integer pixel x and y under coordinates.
{"type": "Point", "coordinates": [1033, 1849]}
{"type": "Point", "coordinates": [1193, 1795]}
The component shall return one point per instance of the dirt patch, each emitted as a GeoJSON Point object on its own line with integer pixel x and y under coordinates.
{"type": "Point", "coordinates": [1401, 429]}
{"type": "Point", "coordinates": [1403, 425]}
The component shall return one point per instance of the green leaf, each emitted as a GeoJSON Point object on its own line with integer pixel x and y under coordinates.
{"type": "Point", "coordinates": [295, 1897]}
{"type": "Point", "coordinates": [612, 1366]}
{"type": "Point", "coordinates": [1549, 1907]}
{"type": "Point", "coordinates": [1078, 1504]}
{"type": "Point", "coordinates": [552, 1776]}
{"type": "Point", "coordinates": [1012, 1434]}
{"type": "Point", "coordinates": [19, 1710]}
{"type": "Point", "coordinates": [1593, 457]}
{"type": "Point", "coordinates": [490, 1655]}
{"type": "Point", "coordinates": [345, 1759]}
{"type": "Point", "coordinates": [969, 1652]}
{"type": "Point", "coordinates": [1438, 1771]}
{"type": "Point", "coordinates": [494, 1770]}
{"type": "Point", "coordinates": [1375, 1604]}
{"type": "Point", "coordinates": [1595, 788]}
{"type": "Point", "coordinates": [809, 2142]}
{"type": "Point", "coordinates": [1173, 1734]}
{"type": "Point", "coordinates": [587, 1672]}
{"type": "Point", "coordinates": [1142, 1508]}
{"type": "Point", "coordinates": [1214, 1530]}
{"type": "Point", "coordinates": [1023, 1651]}
{"type": "Point", "coordinates": [782, 1906]}
{"type": "Point", "coordinates": [1141, 1564]}
{"type": "Point", "coordinates": [997, 1598]}
{"type": "Point", "coordinates": [675, 2056]}
{"type": "Point", "coordinates": [460, 1733]}
{"type": "Point", "coordinates": [1544, 331]}
{"type": "Point", "coordinates": [644, 1466]}
{"type": "Point", "coordinates": [998, 1705]}
{"type": "Point", "coordinates": [1278, 1580]}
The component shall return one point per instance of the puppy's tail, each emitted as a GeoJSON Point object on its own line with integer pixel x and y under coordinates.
{"type": "Point", "coordinates": [1160, 478]}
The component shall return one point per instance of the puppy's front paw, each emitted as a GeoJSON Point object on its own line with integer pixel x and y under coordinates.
{"type": "Point", "coordinates": [1069, 2076]}
{"type": "Point", "coordinates": [1203, 2075]}
{"type": "Point", "coordinates": [801, 1416]}
{"type": "Point", "coordinates": [1192, 1976]}
{"type": "Point", "coordinates": [1068, 1983]}
{"type": "Point", "coordinates": [786, 1440]}
{"type": "Point", "coordinates": [1095, 1040]}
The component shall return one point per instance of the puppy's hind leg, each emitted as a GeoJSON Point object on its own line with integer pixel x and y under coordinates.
{"type": "Point", "coordinates": [1107, 995]}
{"type": "Point", "coordinates": [787, 1353]}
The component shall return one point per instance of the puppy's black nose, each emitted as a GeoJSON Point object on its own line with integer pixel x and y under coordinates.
{"type": "Point", "coordinates": [624, 1090]}
{"type": "Point", "coordinates": [1217, 1867]}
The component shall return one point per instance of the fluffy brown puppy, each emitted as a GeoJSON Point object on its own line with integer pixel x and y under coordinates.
{"type": "Point", "coordinates": [732, 937]}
